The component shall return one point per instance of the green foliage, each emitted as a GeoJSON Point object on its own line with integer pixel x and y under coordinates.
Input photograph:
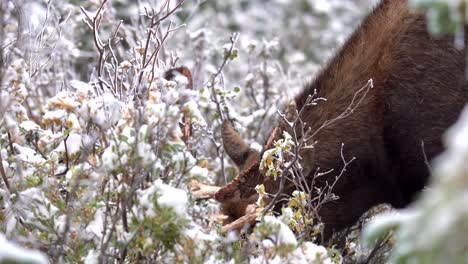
{"type": "Point", "coordinates": [158, 234]}
{"type": "Point", "coordinates": [273, 159]}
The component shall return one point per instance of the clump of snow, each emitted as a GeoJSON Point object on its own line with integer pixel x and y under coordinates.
{"type": "Point", "coordinates": [145, 153]}
{"type": "Point", "coordinates": [92, 257]}
{"type": "Point", "coordinates": [307, 253]}
{"type": "Point", "coordinates": [314, 253]}
{"type": "Point", "coordinates": [171, 197]}
{"type": "Point", "coordinates": [73, 123]}
{"type": "Point", "coordinates": [284, 235]}
{"type": "Point", "coordinates": [105, 110]}
{"type": "Point", "coordinates": [192, 108]}
{"type": "Point", "coordinates": [83, 89]}
{"type": "Point", "coordinates": [96, 226]}
{"type": "Point", "coordinates": [200, 172]}
{"type": "Point", "coordinates": [56, 116]}
{"type": "Point", "coordinates": [73, 142]}
{"type": "Point", "coordinates": [196, 233]}
{"type": "Point", "coordinates": [34, 197]}
{"type": "Point", "coordinates": [167, 196]}
{"type": "Point", "coordinates": [12, 253]}
{"type": "Point", "coordinates": [109, 157]}
{"type": "Point", "coordinates": [63, 100]}
{"type": "Point", "coordinates": [28, 155]}
{"type": "Point", "coordinates": [323, 6]}
{"type": "Point", "coordinates": [29, 126]}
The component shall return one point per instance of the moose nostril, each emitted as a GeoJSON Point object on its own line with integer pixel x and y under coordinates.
{"type": "Point", "coordinates": [219, 196]}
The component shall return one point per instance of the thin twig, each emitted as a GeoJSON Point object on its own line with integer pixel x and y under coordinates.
{"type": "Point", "coordinates": [211, 81]}
{"type": "Point", "coordinates": [426, 160]}
{"type": "Point", "coordinates": [4, 176]}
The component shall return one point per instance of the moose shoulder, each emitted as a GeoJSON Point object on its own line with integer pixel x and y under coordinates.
{"type": "Point", "coordinates": [419, 89]}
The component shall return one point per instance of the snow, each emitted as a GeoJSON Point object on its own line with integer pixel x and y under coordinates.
{"type": "Point", "coordinates": [383, 223]}
{"type": "Point", "coordinates": [129, 138]}
{"type": "Point", "coordinates": [55, 115]}
{"type": "Point", "coordinates": [92, 257]}
{"type": "Point", "coordinates": [29, 126]}
{"type": "Point", "coordinates": [109, 158]}
{"type": "Point", "coordinates": [199, 172]}
{"type": "Point", "coordinates": [145, 153]}
{"type": "Point", "coordinates": [196, 233]}
{"type": "Point", "coordinates": [105, 110]}
{"type": "Point", "coordinates": [167, 196]}
{"type": "Point", "coordinates": [60, 223]}
{"type": "Point", "coordinates": [307, 253]}
{"type": "Point", "coordinates": [11, 253]}
{"type": "Point", "coordinates": [156, 111]}
{"type": "Point", "coordinates": [96, 226]}
{"type": "Point", "coordinates": [256, 146]}
{"type": "Point", "coordinates": [83, 89]}
{"type": "Point", "coordinates": [185, 159]}
{"type": "Point", "coordinates": [456, 138]}
{"type": "Point", "coordinates": [172, 197]}
{"type": "Point", "coordinates": [73, 142]}
{"type": "Point", "coordinates": [35, 197]}
{"type": "Point", "coordinates": [314, 253]}
{"type": "Point", "coordinates": [27, 154]}
{"type": "Point", "coordinates": [63, 100]}
{"type": "Point", "coordinates": [192, 108]}
{"type": "Point", "coordinates": [73, 123]}
{"type": "Point", "coordinates": [284, 235]}
{"type": "Point", "coordinates": [323, 6]}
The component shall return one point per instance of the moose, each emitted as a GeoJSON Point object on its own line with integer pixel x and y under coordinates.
{"type": "Point", "coordinates": [418, 90]}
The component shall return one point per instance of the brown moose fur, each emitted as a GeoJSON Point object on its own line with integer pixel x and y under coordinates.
{"type": "Point", "coordinates": [418, 91]}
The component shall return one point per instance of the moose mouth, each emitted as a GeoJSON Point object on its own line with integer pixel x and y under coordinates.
{"type": "Point", "coordinates": [236, 213]}
{"type": "Point", "coordinates": [239, 197]}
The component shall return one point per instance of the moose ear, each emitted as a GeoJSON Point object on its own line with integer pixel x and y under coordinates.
{"type": "Point", "coordinates": [236, 148]}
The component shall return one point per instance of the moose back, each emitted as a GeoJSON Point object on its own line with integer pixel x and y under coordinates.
{"type": "Point", "coordinates": [418, 91]}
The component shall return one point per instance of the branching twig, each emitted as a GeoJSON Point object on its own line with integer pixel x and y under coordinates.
{"type": "Point", "coordinates": [211, 82]}
{"type": "Point", "coordinates": [300, 142]}
{"type": "Point", "coordinates": [67, 165]}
